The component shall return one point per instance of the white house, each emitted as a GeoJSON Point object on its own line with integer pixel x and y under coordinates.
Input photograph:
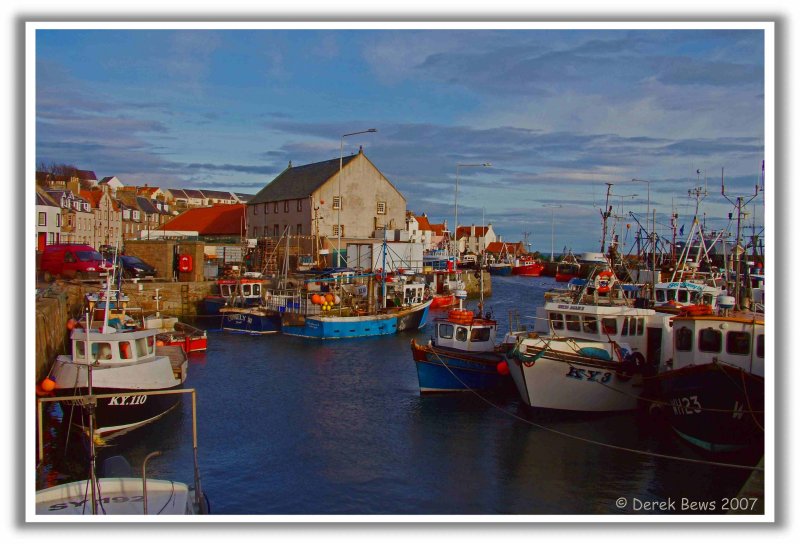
{"type": "Point", "coordinates": [48, 220]}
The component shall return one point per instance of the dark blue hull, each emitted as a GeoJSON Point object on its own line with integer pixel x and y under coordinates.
{"type": "Point", "coordinates": [716, 407]}
{"type": "Point", "coordinates": [255, 322]}
{"type": "Point", "coordinates": [500, 271]}
{"type": "Point", "coordinates": [440, 370]}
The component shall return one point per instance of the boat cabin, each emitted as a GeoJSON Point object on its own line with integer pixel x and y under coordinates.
{"type": "Point", "coordinates": [114, 347]}
{"type": "Point", "coordinates": [686, 293]}
{"type": "Point", "coordinates": [404, 294]}
{"type": "Point", "coordinates": [736, 341]}
{"type": "Point", "coordinates": [464, 332]}
{"type": "Point", "coordinates": [247, 289]}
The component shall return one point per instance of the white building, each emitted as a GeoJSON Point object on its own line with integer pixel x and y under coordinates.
{"type": "Point", "coordinates": [48, 220]}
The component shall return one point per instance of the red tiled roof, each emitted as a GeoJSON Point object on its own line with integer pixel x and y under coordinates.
{"type": "Point", "coordinates": [92, 197]}
{"type": "Point", "coordinates": [437, 228]}
{"type": "Point", "coordinates": [146, 191]}
{"type": "Point", "coordinates": [513, 248]}
{"type": "Point", "coordinates": [423, 222]}
{"type": "Point", "coordinates": [463, 232]}
{"type": "Point", "coordinates": [219, 219]}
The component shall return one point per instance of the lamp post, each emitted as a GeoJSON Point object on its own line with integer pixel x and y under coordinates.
{"type": "Point", "coordinates": [455, 225]}
{"type": "Point", "coordinates": [622, 210]}
{"type": "Point", "coordinates": [552, 227]}
{"type": "Point", "coordinates": [339, 190]}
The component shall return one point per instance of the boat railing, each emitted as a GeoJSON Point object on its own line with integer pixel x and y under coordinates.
{"type": "Point", "coordinates": [92, 399]}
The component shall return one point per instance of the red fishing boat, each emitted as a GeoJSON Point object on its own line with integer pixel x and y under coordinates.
{"type": "Point", "coordinates": [526, 266]}
{"type": "Point", "coordinates": [568, 268]}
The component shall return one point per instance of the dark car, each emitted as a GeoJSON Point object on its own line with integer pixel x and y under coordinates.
{"type": "Point", "coordinates": [134, 267]}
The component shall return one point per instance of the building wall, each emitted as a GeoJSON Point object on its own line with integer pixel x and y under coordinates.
{"type": "Point", "coordinates": [52, 224]}
{"type": "Point", "coordinates": [264, 215]}
{"type": "Point", "coordinates": [362, 187]}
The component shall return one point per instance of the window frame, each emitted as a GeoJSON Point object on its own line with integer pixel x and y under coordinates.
{"type": "Point", "coordinates": [684, 339]}
{"type": "Point", "coordinates": [730, 337]}
{"type": "Point", "coordinates": [703, 343]}
{"type": "Point", "coordinates": [381, 203]}
{"type": "Point", "coordinates": [444, 326]}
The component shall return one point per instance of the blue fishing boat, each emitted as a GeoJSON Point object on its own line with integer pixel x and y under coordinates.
{"type": "Point", "coordinates": [255, 320]}
{"type": "Point", "coordinates": [241, 292]}
{"type": "Point", "coordinates": [461, 356]}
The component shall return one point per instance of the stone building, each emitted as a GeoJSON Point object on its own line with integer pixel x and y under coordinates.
{"type": "Point", "coordinates": [313, 200]}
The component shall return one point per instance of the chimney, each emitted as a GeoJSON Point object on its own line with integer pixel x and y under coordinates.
{"type": "Point", "coordinates": [290, 164]}
{"type": "Point", "coordinates": [360, 149]}
{"type": "Point", "coordinates": [472, 231]}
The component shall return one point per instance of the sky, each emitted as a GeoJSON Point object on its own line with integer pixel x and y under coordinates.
{"type": "Point", "coordinates": [558, 114]}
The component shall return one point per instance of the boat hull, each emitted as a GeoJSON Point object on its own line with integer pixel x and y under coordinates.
{"type": "Point", "coordinates": [336, 327]}
{"type": "Point", "coordinates": [124, 412]}
{"type": "Point", "coordinates": [528, 270]}
{"type": "Point", "coordinates": [564, 278]}
{"type": "Point", "coordinates": [443, 301]}
{"type": "Point", "coordinates": [444, 371]}
{"type": "Point", "coordinates": [253, 323]}
{"type": "Point", "coordinates": [716, 407]}
{"type": "Point", "coordinates": [563, 381]}
{"type": "Point", "coordinates": [500, 270]}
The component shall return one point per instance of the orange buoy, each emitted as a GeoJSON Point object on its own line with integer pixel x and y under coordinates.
{"type": "Point", "coordinates": [160, 343]}
{"type": "Point", "coordinates": [329, 298]}
{"type": "Point", "coordinates": [315, 299]}
{"type": "Point", "coordinates": [502, 368]}
{"type": "Point", "coordinates": [71, 323]}
{"type": "Point", "coordinates": [48, 385]}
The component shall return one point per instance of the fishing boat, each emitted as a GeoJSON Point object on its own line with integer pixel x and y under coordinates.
{"type": "Point", "coordinates": [462, 354]}
{"type": "Point", "coordinates": [172, 332]}
{"type": "Point", "coordinates": [117, 491]}
{"type": "Point", "coordinates": [527, 266]}
{"type": "Point", "coordinates": [238, 292]}
{"type": "Point", "coordinates": [568, 268]}
{"type": "Point", "coordinates": [253, 320]}
{"type": "Point", "coordinates": [713, 389]}
{"type": "Point", "coordinates": [500, 268]}
{"type": "Point", "coordinates": [124, 363]}
{"type": "Point", "coordinates": [590, 350]}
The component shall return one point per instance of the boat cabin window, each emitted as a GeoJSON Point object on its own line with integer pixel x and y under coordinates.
{"type": "Point", "coordinates": [101, 351]}
{"type": "Point", "coordinates": [144, 346]}
{"type": "Point", "coordinates": [683, 295]}
{"type": "Point", "coordinates": [80, 349]}
{"type": "Point", "coordinates": [480, 334]}
{"type": "Point", "coordinates": [737, 343]}
{"type": "Point", "coordinates": [660, 296]}
{"type": "Point", "coordinates": [556, 321]}
{"type": "Point", "coordinates": [639, 326]}
{"type": "Point", "coordinates": [609, 325]}
{"type": "Point", "coordinates": [708, 299]}
{"type": "Point", "coordinates": [225, 290]}
{"type": "Point", "coordinates": [256, 289]}
{"type": "Point", "coordinates": [445, 330]}
{"type": "Point", "coordinates": [624, 326]}
{"type": "Point", "coordinates": [710, 340]}
{"type": "Point", "coordinates": [671, 294]}
{"type": "Point", "coordinates": [590, 325]}
{"type": "Point", "coordinates": [461, 334]}
{"type": "Point", "coordinates": [246, 289]}
{"type": "Point", "coordinates": [694, 297]}
{"type": "Point", "coordinates": [760, 346]}
{"type": "Point", "coordinates": [573, 323]}
{"type": "Point", "coordinates": [125, 350]}
{"type": "Point", "coordinates": [683, 339]}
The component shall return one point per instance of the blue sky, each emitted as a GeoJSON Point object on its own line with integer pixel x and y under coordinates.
{"type": "Point", "coordinates": [558, 114]}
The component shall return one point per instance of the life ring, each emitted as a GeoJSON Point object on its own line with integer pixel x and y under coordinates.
{"type": "Point", "coordinates": [604, 281]}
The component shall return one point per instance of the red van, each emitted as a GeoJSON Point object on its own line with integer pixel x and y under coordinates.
{"type": "Point", "coordinates": [71, 261]}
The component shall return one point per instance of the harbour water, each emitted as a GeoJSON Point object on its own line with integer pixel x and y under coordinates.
{"type": "Point", "coordinates": [292, 426]}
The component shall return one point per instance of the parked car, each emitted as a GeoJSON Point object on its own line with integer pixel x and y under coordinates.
{"type": "Point", "coordinates": [72, 261]}
{"type": "Point", "coordinates": [134, 267]}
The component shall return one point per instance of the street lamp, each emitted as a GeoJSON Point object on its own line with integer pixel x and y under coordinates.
{"type": "Point", "coordinates": [455, 225]}
{"type": "Point", "coordinates": [339, 190]}
{"type": "Point", "coordinates": [648, 200]}
{"type": "Point", "coordinates": [552, 227]}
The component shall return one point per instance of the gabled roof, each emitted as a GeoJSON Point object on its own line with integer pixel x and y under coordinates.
{"type": "Point", "coordinates": [423, 222]}
{"type": "Point", "coordinates": [465, 232]}
{"type": "Point", "coordinates": [244, 197]}
{"type": "Point", "coordinates": [505, 247]}
{"type": "Point", "coordinates": [221, 219]}
{"type": "Point", "coordinates": [92, 197]}
{"type": "Point", "coordinates": [85, 174]}
{"type": "Point", "coordinates": [146, 191]}
{"type": "Point", "coordinates": [105, 180]}
{"type": "Point", "coordinates": [300, 181]}
{"type": "Point", "coordinates": [438, 228]}
{"type": "Point", "coordinates": [217, 194]}
{"type": "Point", "coordinates": [44, 199]}
{"type": "Point", "coordinates": [177, 193]}
{"type": "Point", "coordinates": [145, 205]}
{"type": "Point", "coordinates": [193, 193]}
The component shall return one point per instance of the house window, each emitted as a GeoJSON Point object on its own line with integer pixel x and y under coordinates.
{"type": "Point", "coordinates": [255, 210]}
{"type": "Point", "coordinates": [266, 208]}
{"type": "Point", "coordinates": [266, 231]}
{"type": "Point", "coordinates": [275, 230]}
{"type": "Point", "coordinates": [42, 219]}
{"type": "Point", "coordinates": [58, 219]}
{"type": "Point", "coordinates": [381, 208]}
{"type": "Point", "coordinates": [337, 203]}
{"type": "Point", "coordinates": [335, 230]}
{"type": "Point", "coordinates": [285, 205]}
{"type": "Point", "coordinates": [275, 207]}
{"type": "Point", "coordinates": [299, 205]}
{"type": "Point", "coordinates": [299, 229]}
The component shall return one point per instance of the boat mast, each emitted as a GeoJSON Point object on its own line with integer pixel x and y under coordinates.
{"type": "Point", "coordinates": [383, 268]}
{"type": "Point", "coordinates": [91, 404]}
{"type": "Point", "coordinates": [605, 215]}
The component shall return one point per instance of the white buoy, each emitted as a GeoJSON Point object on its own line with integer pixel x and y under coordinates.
{"type": "Point", "coordinates": [726, 302]}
